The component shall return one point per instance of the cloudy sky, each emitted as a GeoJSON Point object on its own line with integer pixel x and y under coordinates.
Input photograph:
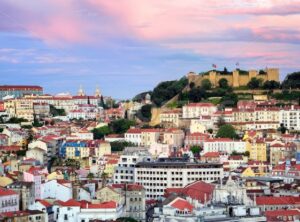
{"type": "Point", "coordinates": [128, 46]}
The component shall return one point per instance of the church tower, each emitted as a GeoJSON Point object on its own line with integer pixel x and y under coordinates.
{"type": "Point", "coordinates": [81, 91]}
{"type": "Point", "coordinates": [97, 92]}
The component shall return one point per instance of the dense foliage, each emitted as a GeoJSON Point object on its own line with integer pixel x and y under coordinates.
{"type": "Point", "coordinates": [165, 91]}
{"type": "Point", "coordinates": [57, 112]}
{"type": "Point", "coordinates": [118, 146]}
{"type": "Point", "coordinates": [121, 125]}
{"type": "Point", "coordinates": [145, 113]}
{"type": "Point", "coordinates": [292, 80]}
{"type": "Point", "coordinates": [227, 131]}
{"type": "Point", "coordinates": [100, 132]}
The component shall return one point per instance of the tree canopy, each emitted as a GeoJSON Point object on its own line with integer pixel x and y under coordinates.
{"type": "Point", "coordinates": [223, 83]}
{"type": "Point", "coordinates": [206, 84]}
{"type": "Point", "coordinates": [227, 131]}
{"type": "Point", "coordinates": [254, 83]}
{"type": "Point", "coordinates": [121, 125]}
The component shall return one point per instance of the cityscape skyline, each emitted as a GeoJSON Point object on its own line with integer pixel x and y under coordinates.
{"type": "Point", "coordinates": [133, 45]}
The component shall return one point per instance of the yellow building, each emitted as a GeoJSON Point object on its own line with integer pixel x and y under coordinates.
{"type": "Point", "coordinates": [170, 118]}
{"type": "Point", "coordinates": [20, 108]}
{"type": "Point", "coordinates": [248, 172]}
{"type": "Point", "coordinates": [110, 167]}
{"type": "Point", "coordinates": [236, 78]}
{"type": "Point", "coordinates": [257, 150]}
{"type": "Point", "coordinates": [104, 149]}
{"type": "Point", "coordinates": [149, 136]}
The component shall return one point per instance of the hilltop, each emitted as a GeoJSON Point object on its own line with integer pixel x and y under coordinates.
{"type": "Point", "coordinates": [225, 87]}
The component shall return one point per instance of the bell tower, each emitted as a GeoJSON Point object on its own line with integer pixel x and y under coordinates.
{"type": "Point", "coordinates": [81, 91]}
{"type": "Point", "coordinates": [97, 92]}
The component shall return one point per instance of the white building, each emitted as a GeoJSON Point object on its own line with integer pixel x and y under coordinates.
{"type": "Point", "coordinates": [223, 145]}
{"type": "Point", "coordinates": [173, 173]}
{"type": "Point", "coordinates": [290, 117]}
{"type": "Point", "coordinates": [55, 190]}
{"type": "Point", "coordinates": [134, 136]}
{"type": "Point", "coordinates": [195, 110]}
{"type": "Point", "coordinates": [124, 172]}
{"type": "Point", "coordinates": [9, 201]}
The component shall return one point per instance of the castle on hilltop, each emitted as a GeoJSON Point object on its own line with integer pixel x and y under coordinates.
{"type": "Point", "coordinates": [235, 78]}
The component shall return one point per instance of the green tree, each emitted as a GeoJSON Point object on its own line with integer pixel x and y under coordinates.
{"type": "Point", "coordinates": [227, 131]}
{"type": "Point", "coordinates": [271, 84]}
{"type": "Point", "coordinates": [146, 113]}
{"type": "Point", "coordinates": [223, 83]}
{"type": "Point", "coordinates": [118, 146]}
{"type": "Point", "coordinates": [90, 176]}
{"type": "Point", "coordinates": [57, 112]}
{"type": "Point", "coordinates": [282, 128]}
{"type": "Point", "coordinates": [121, 125]}
{"type": "Point", "coordinates": [100, 132]}
{"type": "Point", "coordinates": [206, 84]}
{"type": "Point", "coordinates": [197, 94]}
{"type": "Point", "coordinates": [254, 83]}
{"type": "Point", "coordinates": [210, 131]}
{"type": "Point", "coordinates": [196, 150]}
{"type": "Point", "coordinates": [220, 121]}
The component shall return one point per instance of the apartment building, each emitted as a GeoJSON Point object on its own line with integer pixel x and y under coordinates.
{"type": "Point", "coordinates": [223, 145]}
{"type": "Point", "coordinates": [164, 173]}
{"type": "Point", "coordinates": [195, 110]}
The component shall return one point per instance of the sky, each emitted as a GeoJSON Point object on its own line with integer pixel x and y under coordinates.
{"type": "Point", "coordinates": [128, 46]}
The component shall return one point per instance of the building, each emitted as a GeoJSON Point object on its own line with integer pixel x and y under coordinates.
{"type": "Point", "coordinates": [135, 206]}
{"type": "Point", "coordinates": [41, 110]}
{"type": "Point", "coordinates": [196, 139]}
{"type": "Point", "coordinates": [195, 110]}
{"type": "Point", "coordinates": [164, 173]}
{"type": "Point", "coordinates": [235, 78]}
{"type": "Point", "coordinates": [224, 145]}
{"type": "Point", "coordinates": [269, 203]}
{"type": "Point", "coordinates": [124, 172]}
{"type": "Point", "coordinates": [257, 150]}
{"type": "Point", "coordinates": [20, 108]}
{"type": "Point", "coordinates": [170, 118]}
{"type": "Point", "coordinates": [19, 91]}
{"type": "Point", "coordinates": [54, 190]}
{"type": "Point", "coordinates": [134, 136]}
{"type": "Point", "coordinates": [25, 191]}
{"type": "Point", "coordinates": [283, 215]}
{"type": "Point", "coordinates": [9, 200]}
{"type": "Point", "coordinates": [281, 151]}
{"type": "Point", "coordinates": [290, 117]}
{"type": "Point", "coordinates": [173, 137]}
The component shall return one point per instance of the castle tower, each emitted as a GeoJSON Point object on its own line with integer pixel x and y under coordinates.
{"type": "Point", "coordinates": [213, 78]}
{"type": "Point", "coordinates": [252, 74]}
{"type": "Point", "coordinates": [235, 78]}
{"type": "Point", "coordinates": [273, 74]}
{"type": "Point", "coordinates": [97, 92]}
{"type": "Point", "coordinates": [81, 91]}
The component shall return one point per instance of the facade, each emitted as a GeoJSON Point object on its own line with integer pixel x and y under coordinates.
{"type": "Point", "coordinates": [19, 91]}
{"type": "Point", "coordinates": [174, 137]}
{"type": "Point", "coordinates": [55, 190]}
{"type": "Point", "coordinates": [223, 145]}
{"type": "Point", "coordinates": [41, 110]}
{"type": "Point", "coordinates": [257, 150]}
{"type": "Point", "coordinates": [135, 202]}
{"type": "Point", "coordinates": [164, 173]}
{"type": "Point", "coordinates": [290, 117]}
{"type": "Point", "coordinates": [25, 191]}
{"type": "Point", "coordinates": [9, 200]}
{"type": "Point", "coordinates": [124, 171]}
{"type": "Point", "coordinates": [134, 136]}
{"type": "Point", "coordinates": [235, 78]}
{"type": "Point", "coordinates": [170, 118]}
{"type": "Point", "coordinates": [196, 139]}
{"type": "Point", "coordinates": [195, 110]}
{"type": "Point", "coordinates": [20, 108]}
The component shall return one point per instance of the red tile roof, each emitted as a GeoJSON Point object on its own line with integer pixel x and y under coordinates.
{"type": "Point", "coordinates": [45, 203]}
{"type": "Point", "coordinates": [7, 192]}
{"type": "Point", "coordinates": [277, 200]}
{"type": "Point", "coordinates": [276, 213]}
{"type": "Point", "coordinates": [200, 105]}
{"type": "Point", "coordinates": [134, 187]}
{"type": "Point", "coordinates": [182, 204]}
{"type": "Point", "coordinates": [71, 203]}
{"type": "Point", "coordinates": [19, 87]}
{"type": "Point", "coordinates": [136, 131]}
{"type": "Point", "coordinates": [104, 205]}
{"type": "Point", "coordinates": [211, 155]}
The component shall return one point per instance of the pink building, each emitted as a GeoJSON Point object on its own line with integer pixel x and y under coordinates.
{"type": "Point", "coordinates": [9, 200]}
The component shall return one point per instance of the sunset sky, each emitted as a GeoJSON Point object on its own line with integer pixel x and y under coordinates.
{"type": "Point", "coordinates": [128, 46]}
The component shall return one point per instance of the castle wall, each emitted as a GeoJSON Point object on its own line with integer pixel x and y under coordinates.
{"type": "Point", "coordinates": [235, 79]}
